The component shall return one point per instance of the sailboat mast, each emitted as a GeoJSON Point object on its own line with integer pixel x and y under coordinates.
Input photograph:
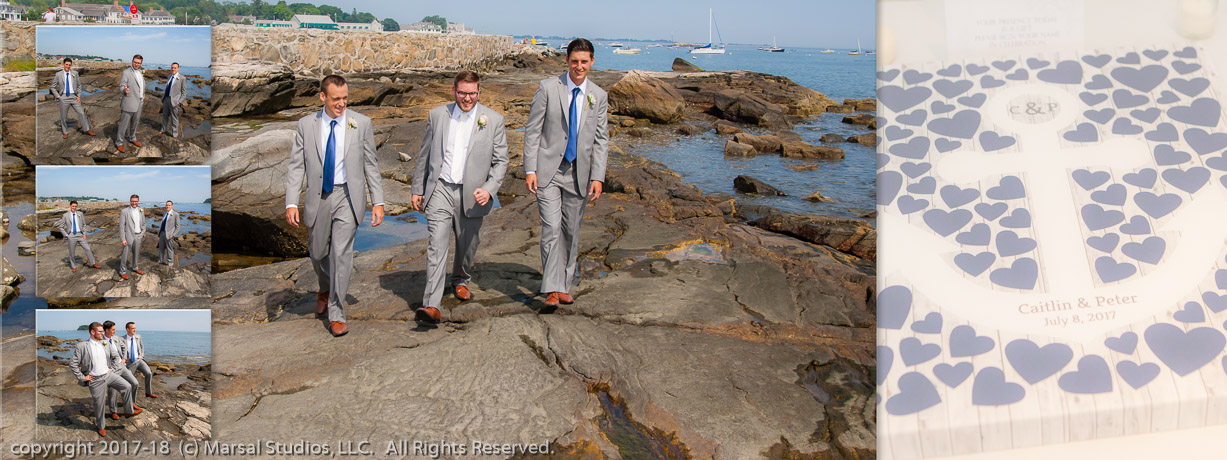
{"type": "Point", "coordinates": [709, 19]}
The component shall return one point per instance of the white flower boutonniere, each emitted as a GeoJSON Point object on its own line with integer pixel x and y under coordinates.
{"type": "Point", "coordinates": [591, 101]}
{"type": "Point", "coordinates": [352, 125]}
{"type": "Point", "coordinates": [481, 121]}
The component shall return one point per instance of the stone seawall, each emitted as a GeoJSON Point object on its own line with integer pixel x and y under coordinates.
{"type": "Point", "coordinates": [18, 40]}
{"type": "Point", "coordinates": [317, 53]}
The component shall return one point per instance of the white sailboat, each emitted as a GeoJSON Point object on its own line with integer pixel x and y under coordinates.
{"type": "Point", "coordinates": [827, 51]}
{"type": "Point", "coordinates": [774, 48]}
{"type": "Point", "coordinates": [858, 48]}
{"type": "Point", "coordinates": [708, 48]}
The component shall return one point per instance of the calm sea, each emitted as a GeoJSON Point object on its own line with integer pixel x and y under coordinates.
{"type": "Point", "coordinates": [165, 346]}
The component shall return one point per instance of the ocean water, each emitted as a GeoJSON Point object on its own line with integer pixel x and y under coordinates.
{"type": "Point", "coordinates": [19, 317]}
{"type": "Point", "coordinates": [166, 346]}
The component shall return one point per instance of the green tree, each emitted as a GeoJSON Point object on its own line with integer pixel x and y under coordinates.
{"type": "Point", "coordinates": [282, 11]}
{"type": "Point", "coordinates": [390, 25]}
{"type": "Point", "coordinates": [331, 11]}
{"type": "Point", "coordinates": [304, 8]}
{"type": "Point", "coordinates": [35, 10]}
{"type": "Point", "coordinates": [438, 20]}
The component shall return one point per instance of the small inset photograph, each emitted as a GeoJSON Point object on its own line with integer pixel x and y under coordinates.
{"type": "Point", "coordinates": [123, 375]}
{"type": "Point", "coordinates": [123, 94]}
{"type": "Point", "coordinates": [123, 231]}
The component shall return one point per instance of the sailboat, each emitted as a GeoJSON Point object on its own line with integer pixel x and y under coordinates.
{"type": "Point", "coordinates": [774, 48]}
{"type": "Point", "coordinates": [858, 48]}
{"type": "Point", "coordinates": [827, 51]}
{"type": "Point", "coordinates": [708, 48]}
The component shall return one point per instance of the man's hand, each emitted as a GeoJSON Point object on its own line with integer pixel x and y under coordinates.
{"type": "Point", "coordinates": [291, 216]}
{"type": "Point", "coordinates": [89, 378]}
{"type": "Point", "coordinates": [594, 190]}
{"type": "Point", "coordinates": [126, 90]}
{"type": "Point", "coordinates": [531, 182]}
{"type": "Point", "coordinates": [416, 202]}
{"type": "Point", "coordinates": [376, 216]}
{"type": "Point", "coordinates": [78, 99]}
{"type": "Point", "coordinates": [481, 196]}
{"type": "Point", "coordinates": [124, 243]}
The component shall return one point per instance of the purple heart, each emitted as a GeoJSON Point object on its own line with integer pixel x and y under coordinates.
{"type": "Point", "coordinates": [1191, 87]}
{"type": "Point", "coordinates": [945, 145]}
{"type": "Point", "coordinates": [1008, 188]}
{"type": "Point", "coordinates": [894, 304]}
{"type": "Point", "coordinates": [1164, 132]}
{"type": "Point", "coordinates": [975, 100]}
{"type": "Point", "coordinates": [1202, 112]}
{"type": "Point", "coordinates": [908, 204]}
{"type": "Point", "coordinates": [1093, 376]}
{"type": "Point", "coordinates": [987, 82]}
{"type": "Point", "coordinates": [1140, 79]}
{"type": "Point", "coordinates": [915, 149]}
{"type": "Point", "coordinates": [916, 393]}
{"type": "Point", "coordinates": [1157, 206]}
{"type": "Point", "coordinates": [946, 223]}
{"type": "Point", "coordinates": [990, 389]}
{"type": "Point", "coordinates": [1089, 180]}
{"type": "Point", "coordinates": [1096, 218]}
{"type": "Point", "coordinates": [1125, 127]}
{"type": "Point", "coordinates": [1111, 271]}
{"type": "Point", "coordinates": [1098, 82]}
{"type": "Point", "coordinates": [898, 99]}
{"type": "Point", "coordinates": [1037, 63]}
{"type": "Point", "coordinates": [1220, 279]}
{"type": "Point", "coordinates": [1131, 58]}
{"type": "Point", "coordinates": [991, 141]}
{"type": "Point", "coordinates": [939, 107]}
{"type": "Point", "coordinates": [1203, 142]}
{"type": "Point", "coordinates": [885, 358]}
{"type": "Point", "coordinates": [1126, 343]}
{"type": "Point", "coordinates": [1165, 155]}
{"type": "Point", "coordinates": [1215, 302]}
{"type": "Point", "coordinates": [1020, 218]}
{"type": "Point", "coordinates": [1137, 376]}
{"type": "Point", "coordinates": [888, 75]}
{"type": "Point", "coordinates": [916, 118]}
{"type": "Point", "coordinates": [1155, 55]}
{"type": "Point", "coordinates": [1218, 162]}
{"type": "Point", "coordinates": [964, 342]}
{"type": "Point", "coordinates": [1185, 67]}
{"type": "Point", "coordinates": [1021, 274]}
{"type": "Point", "coordinates": [953, 71]}
{"type": "Point", "coordinates": [932, 324]}
{"type": "Point", "coordinates": [1113, 195]}
{"type": "Point", "coordinates": [924, 186]}
{"type": "Point", "coordinates": [1190, 180]}
{"type": "Point", "coordinates": [1144, 178]}
{"type": "Point", "coordinates": [962, 125]}
{"type": "Point", "coordinates": [1150, 250]}
{"type": "Point", "coordinates": [1065, 73]}
{"type": "Point", "coordinates": [1004, 65]}
{"type": "Point", "coordinates": [1184, 352]}
{"type": "Point", "coordinates": [1137, 226]}
{"type": "Point", "coordinates": [1188, 53]}
{"type": "Point", "coordinates": [1125, 99]}
{"type": "Point", "coordinates": [883, 160]}
{"type": "Point", "coordinates": [952, 376]}
{"type": "Point", "coordinates": [1019, 74]}
{"type": "Point", "coordinates": [1092, 99]}
{"type": "Point", "coordinates": [990, 211]}
{"type": "Point", "coordinates": [894, 133]}
{"type": "Point", "coordinates": [913, 352]}
{"type": "Point", "coordinates": [951, 89]}
{"type": "Point", "coordinates": [1009, 244]}
{"type": "Point", "coordinates": [889, 183]}
{"type": "Point", "coordinates": [1098, 116]}
{"type": "Point", "coordinates": [974, 265]}
{"type": "Point", "coordinates": [979, 235]}
{"type": "Point", "coordinates": [1148, 115]}
{"type": "Point", "coordinates": [973, 69]}
{"type": "Point", "coordinates": [1106, 243]}
{"type": "Point", "coordinates": [914, 170]}
{"type": "Point", "coordinates": [1167, 97]}
{"type": "Point", "coordinates": [1097, 61]}
{"type": "Point", "coordinates": [1035, 364]}
{"type": "Point", "coordinates": [1085, 132]}
{"type": "Point", "coordinates": [1192, 313]}
{"type": "Point", "coordinates": [955, 196]}
{"type": "Point", "coordinates": [913, 77]}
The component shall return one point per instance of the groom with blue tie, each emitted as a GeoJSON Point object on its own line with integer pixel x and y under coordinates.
{"type": "Point", "coordinates": [66, 86]}
{"type": "Point", "coordinates": [72, 226]}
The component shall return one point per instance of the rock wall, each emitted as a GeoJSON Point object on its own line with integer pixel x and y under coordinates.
{"type": "Point", "coordinates": [18, 38]}
{"type": "Point", "coordinates": [317, 53]}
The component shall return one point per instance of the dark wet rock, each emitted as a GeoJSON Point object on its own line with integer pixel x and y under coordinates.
{"type": "Point", "coordinates": [765, 143]}
{"type": "Point", "coordinates": [737, 149]}
{"type": "Point", "coordinates": [251, 88]}
{"type": "Point", "coordinates": [830, 137]}
{"type": "Point", "coordinates": [852, 236]}
{"type": "Point", "coordinates": [818, 197]}
{"type": "Point", "coordinates": [747, 184]}
{"type": "Point", "coordinates": [689, 130]}
{"type": "Point", "coordinates": [682, 65]}
{"type": "Point", "coordinates": [734, 105]}
{"type": "Point", "coordinates": [641, 96]}
{"type": "Point", "coordinates": [859, 119]}
{"type": "Point", "coordinates": [725, 128]}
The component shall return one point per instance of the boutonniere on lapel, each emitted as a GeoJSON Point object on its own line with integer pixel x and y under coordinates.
{"type": "Point", "coordinates": [591, 101]}
{"type": "Point", "coordinates": [481, 121]}
{"type": "Point", "coordinates": [352, 125]}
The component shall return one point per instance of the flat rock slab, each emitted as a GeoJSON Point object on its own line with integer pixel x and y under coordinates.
{"type": "Point", "coordinates": [56, 279]}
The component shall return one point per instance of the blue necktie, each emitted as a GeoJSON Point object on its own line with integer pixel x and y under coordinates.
{"type": "Point", "coordinates": [74, 224]}
{"type": "Point", "coordinates": [132, 348]}
{"type": "Point", "coordinates": [330, 157]}
{"type": "Point", "coordinates": [573, 130]}
{"type": "Point", "coordinates": [167, 216]}
{"type": "Point", "coordinates": [168, 83]}
{"type": "Point", "coordinates": [68, 85]}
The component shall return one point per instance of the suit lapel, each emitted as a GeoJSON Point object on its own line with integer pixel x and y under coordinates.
{"type": "Point", "coordinates": [477, 109]}
{"type": "Point", "coordinates": [313, 132]}
{"type": "Point", "coordinates": [351, 135]}
{"type": "Point", "coordinates": [444, 129]}
{"type": "Point", "coordinates": [561, 91]}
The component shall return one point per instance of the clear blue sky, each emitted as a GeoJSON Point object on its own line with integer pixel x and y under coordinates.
{"type": "Point", "coordinates": [146, 320]}
{"type": "Point", "coordinates": [155, 184]}
{"type": "Point", "coordinates": [796, 23]}
{"type": "Point", "coordinates": [190, 46]}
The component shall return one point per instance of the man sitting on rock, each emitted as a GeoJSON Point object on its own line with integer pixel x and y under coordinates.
{"type": "Point", "coordinates": [93, 363]}
{"type": "Point", "coordinates": [132, 350]}
{"type": "Point", "coordinates": [108, 330]}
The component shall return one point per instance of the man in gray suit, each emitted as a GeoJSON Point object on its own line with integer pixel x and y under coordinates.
{"type": "Point", "coordinates": [72, 225]}
{"type": "Point", "coordinates": [66, 86]}
{"type": "Point", "coordinates": [113, 343]}
{"type": "Point", "coordinates": [131, 230]}
{"type": "Point", "coordinates": [460, 167]}
{"type": "Point", "coordinates": [166, 235]}
{"type": "Point", "coordinates": [565, 150]}
{"type": "Point", "coordinates": [132, 83]}
{"type": "Point", "coordinates": [132, 350]}
{"type": "Point", "coordinates": [92, 363]}
{"type": "Point", "coordinates": [172, 99]}
{"type": "Point", "coordinates": [334, 153]}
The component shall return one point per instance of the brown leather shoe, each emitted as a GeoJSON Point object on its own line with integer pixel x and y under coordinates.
{"type": "Point", "coordinates": [338, 329]}
{"type": "Point", "coordinates": [139, 272]}
{"type": "Point", "coordinates": [74, 270]}
{"type": "Point", "coordinates": [138, 409]}
{"type": "Point", "coordinates": [427, 314]}
{"type": "Point", "coordinates": [321, 302]}
{"type": "Point", "coordinates": [138, 144]}
{"type": "Point", "coordinates": [551, 300]}
{"type": "Point", "coordinates": [123, 275]}
{"type": "Point", "coordinates": [161, 132]}
{"type": "Point", "coordinates": [96, 266]}
{"type": "Point", "coordinates": [462, 292]}
{"type": "Point", "coordinates": [120, 148]}
{"type": "Point", "coordinates": [150, 395]}
{"type": "Point", "coordinates": [65, 135]}
{"type": "Point", "coordinates": [135, 411]}
{"type": "Point", "coordinates": [565, 298]}
{"type": "Point", "coordinates": [91, 133]}
{"type": "Point", "coordinates": [114, 416]}
{"type": "Point", "coordinates": [102, 432]}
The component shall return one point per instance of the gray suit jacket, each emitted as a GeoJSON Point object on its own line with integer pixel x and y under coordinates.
{"type": "Point", "coordinates": [126, 231]}
{"type": "Point", "coordinates": [123, 347]}
{"type": "Point", "coordinates": [172, 227]}
{"type": "Point", "coordinates": [484, 167]}
{"type": "Point", "coordinates": [545, 134]}
{"type": "Point", "coordinates": [82, 361]}
{"type": "Point", "coordinates": [132, 101]}
{"type": "Point", "coordinates": [58, 85]}
{"type": "Point", "coordinates": [178, 91]}
{"type": "Point", "coordinates": [307, 164]}
{"type": "Point", "coordinates": [65, 223]}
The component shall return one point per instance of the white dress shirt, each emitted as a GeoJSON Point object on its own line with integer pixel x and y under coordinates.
{"type": "Point", "coordinates": [338, 176]}
{"type": "Point", "coordinates": [136, 221]}
{"type": "Point", "coordinates": [99, 351]}
{"type": "Point", "coordinates": [456, 151]}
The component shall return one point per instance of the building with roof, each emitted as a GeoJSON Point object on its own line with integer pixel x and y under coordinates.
{"type": "Point", "coordinates": [272, 23]}
{"type": "Point", "coordinates": [11, 12]}
{"type": "Point", "coordinates": [312, 21]}
{"type": "Point", "coordinates": [422, 27]}
{"type": "Point", "coordinates": [161, 17]}
{"type": "Point", "coordinates": [459, 28]}
{"type": "Point", "coordinates": [373, 26]}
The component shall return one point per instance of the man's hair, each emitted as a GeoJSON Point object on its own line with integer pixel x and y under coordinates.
{"type": "Point", "coordinates": [580, 44]}
{"type": "Point", "coordinates": [67, 59]}
{"type": "Point", "coordinates": [134, 196]}
{"type": "Point", "coordinates": [170, 202]}
{"type": "Point", "coordinates": [137, 56]}
{"type": "Point", "coordinates": [94, 325]}
{"type": "Point", "coordinates": [467, 76]}
{"type": "Point", "coordinates": [107, 324]}
{"type": "Point", "coordinates": [174, 64]}
{"type": "Point", "coordinates": [70, 203]}
{"type": "Point", "coordinates": [129, 324]}
{"type": "Point", "coordinates": [331, 80]}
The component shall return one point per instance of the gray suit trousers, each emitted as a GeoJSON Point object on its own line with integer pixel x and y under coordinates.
{"type": "Point", "coordinates": [82, 120]}
{"type": "Point", "coordinates": [166, 251]}
{"type": "Point", "coordinates": [98, 392]}
{"type": "Point", "coordinates": [170, 117]}
{"type": "Point", "coordinates": [73, 241]}
{"type": "Point", "coordinates": [562, 210]}
{"type": "Point", "coordinates": [128, 122]}
{"type": "Point", "coordinates": [444, 210]}
{"type": "Point", "coordinates": [139, 365]}
{"type": "Point", "coordinates": [133, 252]}
{"type": "Point", "coordinates": [115, 395]}
{"type": "Point", "coordinates": [331, 244]}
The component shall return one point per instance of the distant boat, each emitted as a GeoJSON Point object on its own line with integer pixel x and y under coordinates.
{"type": "Point", "coordinates": [616, 45]}
{"type": "Point", "coordinates": [827, 51]}
{"type": "Point", "coordinates": [627, 50]}
{"type": "Point", "coordinates": [562, 47]}
{"type": "Point", "coordinates": [774, 48]}
{"type": "Point", "coordinates": [708, 48]}
{"type": "Point", "coordinates": [858, 48]}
